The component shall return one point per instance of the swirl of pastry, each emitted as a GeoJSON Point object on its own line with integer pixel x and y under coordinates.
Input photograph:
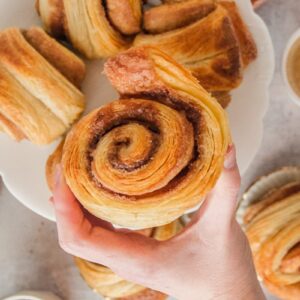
{"type": "Point", "coordinates": [95, 28]}
{"type": "Point", "coordinates": [273, 229]}
{"type": "Point", "coordinates": [39, 86]}
{"type": "Point", "coordinates": [143, 160]}
{"type": "Point", "coordinates": [108, 284]}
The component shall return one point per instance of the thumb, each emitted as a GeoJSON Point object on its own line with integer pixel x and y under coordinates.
{"type": "Point", "coordinates": [220, 204]}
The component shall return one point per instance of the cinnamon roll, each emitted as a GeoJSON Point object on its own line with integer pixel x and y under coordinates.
{"type": "Point", "coordinates": [95, 28]}
{"type": "Point", "coordinates": [39, 86]}
{"type": "Point", "coordinates": [273, 229]}
{"type": "Point", "coordinates": [145, 159]}
{"type": "Point", "coordinates": [106, 283]}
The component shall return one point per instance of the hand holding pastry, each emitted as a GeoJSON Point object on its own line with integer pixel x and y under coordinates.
{"type": "Point", "coordinates": [203, 254]}
{"type": "Point", "coordinates": [108, 284]}
{"type": "Point", "coordinates": [144, 160]}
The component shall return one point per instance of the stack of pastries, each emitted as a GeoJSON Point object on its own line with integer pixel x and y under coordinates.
{"type": "Point", "coordinates": [208, 37]}
{"type": "Point", "coordinates": [165, 132]}
{"type": "Point", "coordinates": [272, 225]}
{"type": "Point", "coordinates": [106, 283]}
{"type": "Point", "coordinates": [39, 86]}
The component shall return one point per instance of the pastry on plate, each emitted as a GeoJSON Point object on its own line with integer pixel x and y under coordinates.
{"type": "Point", "coordinates": [39, 86]}
{"type": "Point", "coordinates": [209, 37]}
{"type": "Point", "coordinates": [272, 224]}
{"type": "Point", "coordinates": [106, 283]}
{"type": "Point", "coordinates": [94, 28]}
{"type": "Point", "coordinates": [144, 160]}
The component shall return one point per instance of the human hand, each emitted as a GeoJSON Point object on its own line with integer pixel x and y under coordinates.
{"type": "Point", "coordinates": [209, 259]}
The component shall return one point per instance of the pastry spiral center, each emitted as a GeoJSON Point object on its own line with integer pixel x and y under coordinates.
{"type": "Point", "coordinates": [127, 147]}
{"type": "Point", "coordinates": [144, 151]}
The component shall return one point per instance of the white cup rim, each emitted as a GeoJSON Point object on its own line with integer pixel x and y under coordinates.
{"type": "Point", "coordinates": [33, 295]}
{"type": "Point", "coordinates": [292, 94]}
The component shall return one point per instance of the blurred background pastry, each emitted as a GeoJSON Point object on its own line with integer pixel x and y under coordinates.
{"type": "Point", "coordinates": [208, 37]}
{"type": "Point", "coordinates": [39, 86]}
{"type": "Point", "coordinates": [106, 283]}
{"type": "Point", "coordinates": [272, 224]}
{"type": "Point", "coordinates": [95, 29]}
{"type": "Point", "coordinates": [166, 133]}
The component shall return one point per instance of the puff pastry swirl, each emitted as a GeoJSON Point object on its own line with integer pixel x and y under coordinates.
{"type": "Point", "coordinates": [105, 282]}
{"type": "Point", "coordinates": [95, 28]}
{"type": "Point", "coordinates": [144, 160]}
{"type": "Point", "coordinates": [273, 229]}
{"type": "Point", "coordinates": [39, 81]}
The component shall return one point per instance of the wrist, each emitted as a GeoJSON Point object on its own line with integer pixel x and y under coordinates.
{"type": "Point", "coordinates": [252, 291]}
{"type": "Point", "coordinates": [248, 291]}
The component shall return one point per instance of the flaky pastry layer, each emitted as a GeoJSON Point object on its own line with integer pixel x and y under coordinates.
{"type": "Point", "coordinates": [38, 97]}
{"type": "Point", "coordinates": [95, 28]}
{"type": "Point", "coordinates": [273, 230]}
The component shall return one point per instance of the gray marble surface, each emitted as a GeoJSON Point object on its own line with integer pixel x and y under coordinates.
{"type": "Point", "coordinates": [30, 257]}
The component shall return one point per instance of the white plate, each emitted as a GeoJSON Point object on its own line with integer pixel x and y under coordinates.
{"type": "Point", "coordinates": [22, 164]}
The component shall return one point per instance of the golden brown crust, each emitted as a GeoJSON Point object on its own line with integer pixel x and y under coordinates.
{"type": "Point", "coordinates": [93, 35]}
{"type": "Point", "coordinates": [176, 15]}
{"type": "Point", "coordinates": [269, 258]}
{"type": "Point", "coordinates": [214, 59]}
{"type": "Point", "coordinates": [34, 96]}
{"type": "Point", "coordinates": [270, 198]}
{"type": "Point", "coordinates": [246, 42]}
{"type": "Point", "coordinates": [53, 160]}
{"type": "Point", "coordinates": [223, 97]}
{"type": "Point", "coordinates": [163, 102]}
{"type": "Point", "coordinates": [125, 15]}
{"type": "Point", "coordinates": [38, 123]}
{"type": "Point", "coordinates": [219, 73]}
{"type": "Point", "coordinates": [168, 231]}
{"type": "Point", "coordinates": [85, 25]}
{"type": "Point", "coordinates": [67, 63]}
{"type": "Point", "coordinates": [146, 294]}
{"type": "Point", "coordinates": [11, 129]}
{"type": "Point", "coordinates": [273, 227]}
{"type": "Point", "coordinates": [52, 14]}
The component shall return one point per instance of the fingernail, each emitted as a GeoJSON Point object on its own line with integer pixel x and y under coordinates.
{"type": "Point", "coordinates": [230, 159]}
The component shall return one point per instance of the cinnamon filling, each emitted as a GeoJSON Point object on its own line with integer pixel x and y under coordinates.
{"type": "Point", "coordinates": [145, 117]}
